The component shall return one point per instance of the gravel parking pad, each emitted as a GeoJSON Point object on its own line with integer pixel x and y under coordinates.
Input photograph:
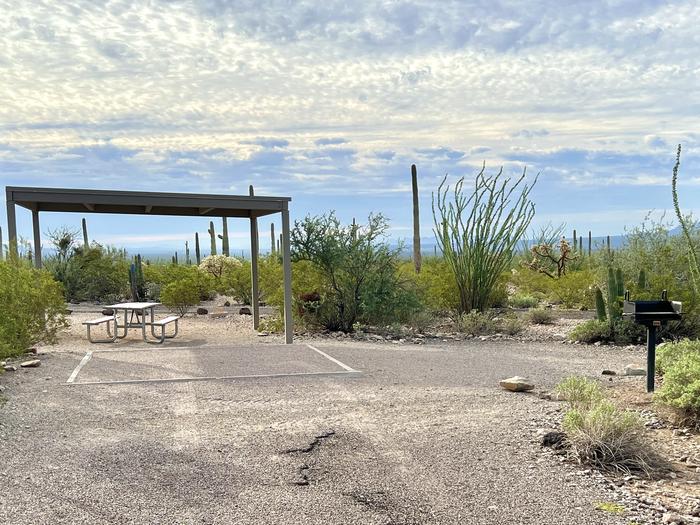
{"type": "Point", "coordinates": [423, 435]}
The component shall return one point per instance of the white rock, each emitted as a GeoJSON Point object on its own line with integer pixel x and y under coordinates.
{"type": "Point", "coordinates": [32, 363]}
{"type": "Point", "coordinates": [635, 370]}
{"type": "Point", "coordinates": [517, 384]}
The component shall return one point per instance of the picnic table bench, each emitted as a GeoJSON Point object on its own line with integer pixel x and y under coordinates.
{"type": "Point", "coordinates": [139, 312]}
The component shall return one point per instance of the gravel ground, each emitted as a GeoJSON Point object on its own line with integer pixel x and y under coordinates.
{"type": "Point", "coordinates": [423, 435]}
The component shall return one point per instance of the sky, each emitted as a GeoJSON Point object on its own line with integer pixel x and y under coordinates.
{"type": "Point", "coordinates": [331, 102]}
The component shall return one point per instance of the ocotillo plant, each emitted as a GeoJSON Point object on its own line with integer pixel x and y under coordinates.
{"type": "Point", "coordinates": [86, 241]}
{"type": "Point", "coordinates": [416, 220]}
{"type": "Point", "coordinates": [478, 254]}
{"type": "Point", "coordinates": [197, 253]}
{"type": "Point", "coordinates": [692, 254]}
{"type": "Point", "coordinates": [212, 235]}
{"type": "Point", "coordinates": [272, 238]}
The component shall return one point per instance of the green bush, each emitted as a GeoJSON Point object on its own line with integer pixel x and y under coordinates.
{"type": "Point", "coordinates": [523, 301]}
{"type": "Point", "coordinates": [91, 274]}
{"type": "Point", "coordinates": [180, 296]}
{"type": "Point", "coordinates": [621, 331]}
{"type": "Point", "coordinates": [680, 364]}
{"type": "Point", "coordinates": [511, 325]}
{"type": "Point", "coordinates": [574, 290]}
{"type": "Point", "coordinates": [164, 274]}
{"type": "Point", "coordinates": [237, 281]}
{"type": "Point", "coordinates": [600, 434]}
{"type": "Point", "coordinates": [581, 393]}
{"type": "Point", "coordinates": [31, 307]}
{"type": "Point", "coordinates": [359, 272]}
{"type": "Point", "coordinates": [436, 284]}
{"type": "Point", "coordinates": [667, 354]}
{"type": "Point", "coordinates": [476, 323]}
{"type": "Point", "coordinates": [541, 316]}
{"type": "Point", "coordinates": [591, 332]}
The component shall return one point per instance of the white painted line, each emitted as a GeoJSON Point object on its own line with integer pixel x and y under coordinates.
{"type": "Point", "coordinates": [342, 365]}
{"type": "Point", "coordinates": [82, 363]}
{"type": "Point", "coordinates": [213, 378]}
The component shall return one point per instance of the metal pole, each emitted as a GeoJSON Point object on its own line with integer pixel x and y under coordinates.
{"type": "Point", "coordinates": [11, 228]}
{"type": "Point", "coordinates": [287, 266]}
{"type": "Point", "coordinates": [651, 357]}
{"type": "Point", "coordinates": [254, 249]}
{"type": "Point", "coordinates": [37, 238]}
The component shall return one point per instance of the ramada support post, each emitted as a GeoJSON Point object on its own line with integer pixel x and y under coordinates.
{"type": "Point", "coordinates": [37, 238]}
{"type": "Point", "coordinates": [254, 249]}
{"type": "Point", "coordinates": [287, 267]}
{"type": "Point", "coordinates": [11, 227]}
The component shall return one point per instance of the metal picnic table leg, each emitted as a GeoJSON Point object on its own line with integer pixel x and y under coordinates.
{"type": "Point", "coordinates": [125, 326]}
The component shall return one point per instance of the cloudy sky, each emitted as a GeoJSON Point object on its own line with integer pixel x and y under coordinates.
{"type": "Point", "coordinates": [330, 102]}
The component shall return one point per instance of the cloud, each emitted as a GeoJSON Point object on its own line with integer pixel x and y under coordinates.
{"type": "Point", "coordinates": [330, 141]}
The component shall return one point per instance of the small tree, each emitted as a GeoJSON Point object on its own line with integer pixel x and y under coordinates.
{"type": "Point", "coordinates": [360, 269]}
{"type": "Point", "coordinates": [180, 296]}
{"type": "Point", "coordinates": [478, 232]}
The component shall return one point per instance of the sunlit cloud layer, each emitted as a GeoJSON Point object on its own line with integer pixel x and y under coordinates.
{"type": "Point", "coordinates": [337, 99]}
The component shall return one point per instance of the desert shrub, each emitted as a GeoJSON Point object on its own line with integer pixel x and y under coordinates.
{"type": "Point", "coordinates": [219, 265]}
{"type": "Point", "coordinates": [681, 385]}
{"type": "Point", "coordinates": [511, 325]}
{"type": "Point", "coordinates": [358, 269]}
{"type": "Point", "coordinates": [602, 435]}
{"type": "Point", "coordinates": [591, 332]}
{"type": "Point", "coordinates": [180, 296]}
{"type": "Point", "coordinates": [668, 353]}
{"type": "Point", "coordinates": [621, 331]}
{"type": "Point", "coordinates": [521, 300]}
{"type": "Point", "coordinates": [274, 325]}
{"type": "Point", "coordinates": [164, 274]}
{"type": "Point", "coordinates": [91, 274]}
{"type": "Point", "coordinates": [575, 289]}
{"type": "Point", "coordinates": [31, 307]}
{"type": "Point", "coordinates": [436, 284]}
{"type": "Point", "coordinates": [237, 281]}
{"type": "Point", "coordinates": [541, 316]}
{"type": "Point", "coordinates": [476, 323]}
{"type": "Point", "coordinates": [530, 282]}
{"type": "Point", "coordinates": [580, 393]}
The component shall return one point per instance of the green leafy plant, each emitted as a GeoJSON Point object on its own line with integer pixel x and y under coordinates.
{"type": "Point", "coordinates": [478, 232]}
{"type": "Point", "coordinates": [591, 331]}
{"type": "Point", "coordinates": [180, 296]}
{"type": "Point", "coordinates": [541, 316]}
{"type": "Point", "coordinates": [31, 307]}
{"type": "Point", "coordinates": [680, 365]}
{"type": "Point", "coordinates": [523, 301]}
{"type": "Point", "coordinates": [360, 278]}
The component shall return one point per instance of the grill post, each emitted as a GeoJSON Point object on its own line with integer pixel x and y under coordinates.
{"type": "Point", "coordinates": [651, 356]}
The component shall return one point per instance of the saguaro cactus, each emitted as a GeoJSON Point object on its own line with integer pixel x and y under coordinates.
{"type": "Point", "coordinates": [1, 248]}
{"type": "Point", "coordinates": [224, 238]}
{"type": "Point", "coordinates": [212, 235]}
{"type": "Point", "coordinates": [600, 305]}
{"type": "Point", "coordinates": [197, 253]}
{"type": "Point", "coordinates": [416, 220]}
{"type": "Point", "coordinates": [590, 242]}
{"type": "Point", "coordinates": [272, 238]}
{"type": "Point", "coordinates": [575, 239]}
{"type": "Point", "coordinates": [86, 241]}
{"type": "Point", "coordinates": [187, 253]}
{"type": "Point", "coordinates": [642, 279]}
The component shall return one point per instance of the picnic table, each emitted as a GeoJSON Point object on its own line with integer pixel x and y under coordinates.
{"type": "Point", "coordinates": [135, 316]}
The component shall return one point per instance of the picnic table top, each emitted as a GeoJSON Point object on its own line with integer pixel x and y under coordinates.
{"type": "Point", "coordinates": [133, 306]}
